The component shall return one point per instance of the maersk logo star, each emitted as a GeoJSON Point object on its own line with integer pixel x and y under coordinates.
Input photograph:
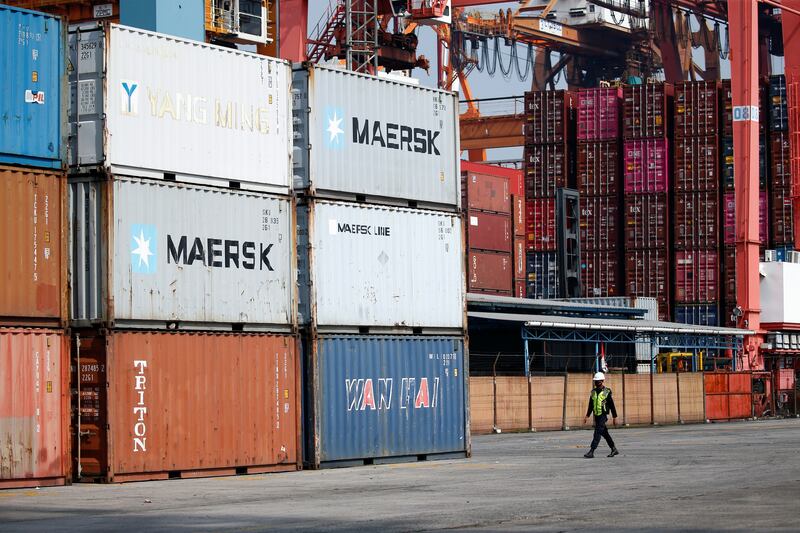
{"type": "Point", "coordinates": [335, 132]}
{"type": "Point", "coordinates": [143, 248]}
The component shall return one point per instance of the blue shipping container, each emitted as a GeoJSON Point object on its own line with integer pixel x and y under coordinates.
{"type": "Point", "coordinates": [31, 85]}
{"type": "Point", "coordinates": [782, 252]}
{"type": "Point", "coordinates": [698, 315]}
{"type": "Point", "coordinates": [383, 398]}
{"type": "Point", "coordinates": [542, 272]}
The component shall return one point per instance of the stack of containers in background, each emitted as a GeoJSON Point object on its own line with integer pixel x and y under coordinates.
{"type": "Point", "coordinates": [646, 114]}
{"type": "Point", "coordinates": [546, 166]}
{"type": "Point", "coordinates": [182, 257]}
{"type": "Point", "coordinates": [781, 214]}
{"type": "Point", "coordinates": [599, 184]}
{"type": "Point", "coordinates": [380, 269]}
{"type": "Point", "coordinates": [728, 220]}
{"type": "Point", "coordinates": [486, 174]}
{"type": "Point", "coordinates": [696, 227]}
{"type": "Point", "coordinates": [490, 233]}
{"type": "Point", "coordinates": [34, 347]}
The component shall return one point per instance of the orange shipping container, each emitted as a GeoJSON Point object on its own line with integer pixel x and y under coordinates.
{"type": "Point", "coordinates": [34, 408]}
{"type": "Point", "coordinates": [187, 404]}
{"type": "Point", "coordinates": [33, 273]}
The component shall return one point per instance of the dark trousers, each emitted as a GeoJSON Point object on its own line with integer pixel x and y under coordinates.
{"type": "Point", "coordinates": [600, 430]}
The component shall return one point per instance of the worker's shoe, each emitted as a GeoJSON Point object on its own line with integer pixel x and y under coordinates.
{"type": "Point", "coordinates": [614, 452]}
{"type": "Point", "coordinates": [589, 454]}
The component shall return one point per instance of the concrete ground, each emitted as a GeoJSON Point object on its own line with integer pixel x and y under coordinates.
{"type": "Point", "coordinates": [734, 476]}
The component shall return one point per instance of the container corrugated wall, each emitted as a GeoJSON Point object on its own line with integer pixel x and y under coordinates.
{"type": "Point", "coordinates": [380, 266]}
{"type": "Point", "coordinates": [188, 403]}
{"type": "Point", "coordinates": [359, 135]}
{"type": "Point", "coordinates": [33, 225]}
{"type": "Point", "coordinates": [148, 252]}
{"type": "Point", "coordinates": [172, 106]}
{"type": "Point", "coordinates": [32, 88]}
{"type": "Point", "coordinates": [385, 397]}
{"type": "Point", "coordinates": [34, 408]}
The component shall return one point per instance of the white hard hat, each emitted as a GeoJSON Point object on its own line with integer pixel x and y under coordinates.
{"type": "Point", "coordinates": [599, 377]}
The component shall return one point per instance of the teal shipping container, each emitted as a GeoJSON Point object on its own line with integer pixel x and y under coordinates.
{"type": "Point", "coordinates": [32, 84]}
{"type": "Point", "coordinates": [372, 399]}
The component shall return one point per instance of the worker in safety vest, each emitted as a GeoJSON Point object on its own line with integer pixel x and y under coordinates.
{"type": "Point", "coordinates": [600, 404]}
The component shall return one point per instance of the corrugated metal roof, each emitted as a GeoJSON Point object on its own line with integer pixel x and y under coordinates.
{"type": "Point", "coordinates": [638, 326]}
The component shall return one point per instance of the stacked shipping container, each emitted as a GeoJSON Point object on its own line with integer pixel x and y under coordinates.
{"type": "Point", "coordinates": [34, 360]}
{"type": "Point", "coordinates": [381, 267]}
{"type": "Point", "coordinates": [599, 186]}
{"type": "Point", "coordinates": [182, 219]}
{"type": "Point", "coordinates": [781, 214]}
{"type": "Point", "coordinates": [646, 115]}
{"type": "Point", "coordinates": [546, 168]}
{"type": "Point", "coordinates": [696, 227]}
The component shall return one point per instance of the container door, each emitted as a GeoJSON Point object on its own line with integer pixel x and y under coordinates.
{"type": "Point", "coordinates": [86, 85]}
{"type": "Point", "coordinates": [89, 394]}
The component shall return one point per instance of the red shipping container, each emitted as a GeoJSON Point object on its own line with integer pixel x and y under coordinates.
{"type": "Point", "coordinates": [545, 170]}
{"type": "Point", "coordinates": [781, 214]}
{"type": "Point", "coordinates": [515, 182]}
{"type": "Point", "coordinates": [696, 108]}
{"type": "Point", "coordinates": [646, 165]}
{"type": "Point", "coordinates": [598, 168]}
{"type": "Point", "coordinates": [697, 163]}
{"type": "Point", "coordinates": [34, 408]}
{"type": "Point", "coordinates": [599, 222]}
{"type": "Point", "coordinates": [156, 403]}
{"type": "Point", "coordinates": [647, 274]}
{"type": "Point", "coordinates": [598, 113]}
{"type": "Point", "coordinates": [519, 258]}
{"type": "Point", "coordinates": [696, 220]}
{"type": "Point", "coordinates": [490, 271]}
{"type": "Point", "coordinates": [547, 116]}
{"type": "Point", "coordinates": [697, 276]}
{"type": "Point", "coordinates": [646, 110]}
{"type": "Point", "coordinates": [489, 231]}
{"type": "Point", "coordinates": [780, 160]}
{"type": "Point", "coordinates": [486, 192]}
{"type": "Point", "coordinates": [541, 225]}
{"type": "Point", "coordinates": [600, 273]}
{"type": "Point", "coordinates": [727, 108]}
{"type": "Point", "coordinates": [518, 208]}
{"type": "Point", "coordinates": [729, 218]}
{"type": "Point", "coordinates": [646, 221]}
{"type": "Point", "coordinates": [519, 288]}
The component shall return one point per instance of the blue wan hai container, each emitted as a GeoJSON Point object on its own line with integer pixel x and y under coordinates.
{"type": "Point", "coordinates": [32, 84]}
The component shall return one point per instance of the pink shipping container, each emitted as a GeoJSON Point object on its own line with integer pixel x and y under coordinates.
{"type": "Point", "coordinates": [34, 408]}
{"type": "Point", "coordinates": [599, 222]}
{"type": "Point", "coordinates": [490, 272]}
{"type": "Point", "coordinates": [696, 221]}
{"type": "Point", "coordinates": [697, 276]}
{"type": "Point", "coordinates": [646, 165]}
{"type": "Point", "coordinates": [489, 231]}
{"type": "Point", "coordinates": [599, 172]}
{"type": "Point", "coordinates": [729, 218]}
{"type": "Point", "coordinates": [541, 225]}
{"type": "Point", "coordinates": [598, 113]}
{"type": "Point", "coordinates": [646, 221]}
{"type": "Point", "coordinates": [486, 192]}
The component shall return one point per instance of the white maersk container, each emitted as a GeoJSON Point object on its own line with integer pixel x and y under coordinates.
{"type": "Point", "coordinates": [622, 15]}
{"type": "Point", "coordinates": [152, 105]}
{"type": "Point", "coordinates": [383, 268]}
{"type": "Point", "coordinates": [380, 140]}
{"type": "Point", "coordinates": [154, 253]}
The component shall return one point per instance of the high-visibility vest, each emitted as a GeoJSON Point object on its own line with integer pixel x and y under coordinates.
{"type": "Point", "coordinates": [599, 401]}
